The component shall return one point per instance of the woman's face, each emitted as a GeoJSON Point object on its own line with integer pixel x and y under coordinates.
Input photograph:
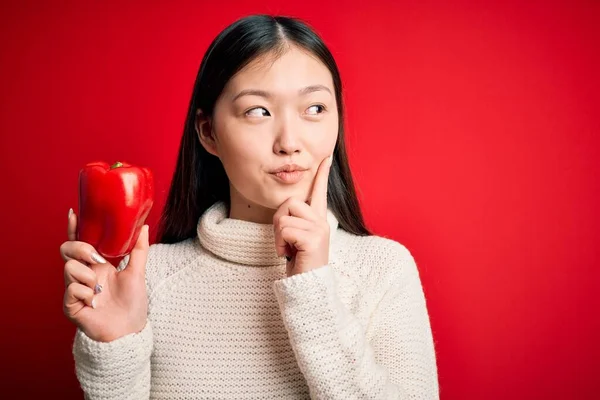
{"type": "Point", "coordinates": [272, 113]}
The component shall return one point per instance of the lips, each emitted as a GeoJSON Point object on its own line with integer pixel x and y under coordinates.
{"type": "Point", "coordinates": [290, 177]}
{"type": "Point", "coordinates": [288, 168]}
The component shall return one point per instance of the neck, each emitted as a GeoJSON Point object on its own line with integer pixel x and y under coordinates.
{"type": "Point", "coordinates": [246, 210]}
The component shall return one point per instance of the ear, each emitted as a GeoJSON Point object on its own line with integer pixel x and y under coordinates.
{"type": "Point", "coordinates": [204, 131]}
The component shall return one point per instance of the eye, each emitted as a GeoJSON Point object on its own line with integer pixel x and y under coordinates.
{"type": "Point", "coordinates": [314, 110]}
{"type": "Point", "coordinates": [258, 112]}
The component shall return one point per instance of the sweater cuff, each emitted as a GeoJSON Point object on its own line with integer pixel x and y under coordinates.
{"type": "Point", "coordinates": [310, 305]}
{"type": "Point", "coordinates": [121, 354]}
{"type": "Point", "coordinates": [291, 291]}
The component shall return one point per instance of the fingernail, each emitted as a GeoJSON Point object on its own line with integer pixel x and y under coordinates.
{"type": "Point", "coordinates": [98, 258]}
{"type": "Point", "coordinates": [93, 303]}
{"type": "Point", "coordinates": [97, 288]}
{"type": "Point", "coordinates": [70, 212]}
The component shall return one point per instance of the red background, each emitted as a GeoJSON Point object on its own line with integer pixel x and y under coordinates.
{"type": "Point", "coordinates": [473, 134]}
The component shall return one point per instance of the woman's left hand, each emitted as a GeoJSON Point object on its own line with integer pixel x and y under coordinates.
{"type": "Point", "coordinates": [302, 230]}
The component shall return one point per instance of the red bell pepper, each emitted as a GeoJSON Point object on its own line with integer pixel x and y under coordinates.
{"type": "Point", "coordinates": [114, 201]}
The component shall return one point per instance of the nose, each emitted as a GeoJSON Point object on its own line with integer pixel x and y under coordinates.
{"type": "Point", "coordinates": [288, 137]}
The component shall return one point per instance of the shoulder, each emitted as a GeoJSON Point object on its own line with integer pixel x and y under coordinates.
{"type": "Point", "coordinates": [375, 260]}
{"type": "Point", "coordinates": [167, 260]}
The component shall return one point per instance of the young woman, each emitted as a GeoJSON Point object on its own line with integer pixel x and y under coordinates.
{"type": "Point", "coordinates": [265, 282]}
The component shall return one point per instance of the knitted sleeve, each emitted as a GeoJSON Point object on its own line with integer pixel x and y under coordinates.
{"type": "Point", "coordinates": [331, 346]}
{"type": "Point", "coordinates": [119, 369]}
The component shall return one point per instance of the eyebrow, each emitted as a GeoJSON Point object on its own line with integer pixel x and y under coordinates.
{"type": "Point", "coordinates": [267, 95]}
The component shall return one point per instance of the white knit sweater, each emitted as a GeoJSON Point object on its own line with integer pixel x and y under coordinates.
{"type": "Point", "coordinates": [224, 322]}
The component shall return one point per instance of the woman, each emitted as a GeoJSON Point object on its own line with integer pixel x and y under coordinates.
{"type": "Point", "coordinates": [265, 282]}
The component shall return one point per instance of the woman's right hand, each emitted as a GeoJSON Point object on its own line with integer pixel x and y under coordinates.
{"type": "Point", "coordinates": [104, 303]}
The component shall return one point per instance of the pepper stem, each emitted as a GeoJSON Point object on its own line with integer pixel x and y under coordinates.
{"type": "Point", "coordinates": [116, 165]}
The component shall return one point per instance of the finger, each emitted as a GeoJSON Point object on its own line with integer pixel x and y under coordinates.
{"type": "Point", "coordinates": [287, 221]}
{"type": "Point", "coordinates": [297, 238]}
{"type": "Point", "coordinates": [76, 272]}
{"type": "Point", "coordinates": [291, 207]}
{"type": "Point", "coordinates": [72, 225]}
{"type": "Point", "coordinates": [81, 251]}
{"type": "Point", "coordinates": [76, 292]}
{"type": "Point", "coordinates": [296, 207]}
{"type": "Point", "coordinates": [318, 198]}
{"type": "Point", "coordinates": [139, 254]}
{"type": "Point", "coordinates": [295, 222]}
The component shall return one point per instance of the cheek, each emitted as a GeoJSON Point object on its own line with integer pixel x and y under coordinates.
{"type": "Point", "coordinates": [323, 138]}
{"type": "Point", "coordinates": [241, 153]}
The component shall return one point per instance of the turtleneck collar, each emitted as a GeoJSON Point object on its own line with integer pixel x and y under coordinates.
{"type": "Point", "coordinates": [244, 242]}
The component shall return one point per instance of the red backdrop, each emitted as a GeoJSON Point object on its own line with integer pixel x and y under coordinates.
{"type": "Point", "coordinates": [473, 134]}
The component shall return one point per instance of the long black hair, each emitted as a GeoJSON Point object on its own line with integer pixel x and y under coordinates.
{"type": "Point", "coordinates": [199, 179]}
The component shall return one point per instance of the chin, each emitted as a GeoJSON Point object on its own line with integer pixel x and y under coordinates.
{"type": "Point", "coordinates": [275, 200]}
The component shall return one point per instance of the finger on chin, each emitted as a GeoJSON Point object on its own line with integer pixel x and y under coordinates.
{"type": "Point", "coordinates": [318, 198]}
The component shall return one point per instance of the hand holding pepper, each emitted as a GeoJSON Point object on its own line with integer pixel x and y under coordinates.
{"type": "Point", "coordinates": [104, 303]}
{"type": "Point", "coordinates": [114, 201]}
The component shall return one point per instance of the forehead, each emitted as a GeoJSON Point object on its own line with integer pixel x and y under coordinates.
{"type": "Point", "coordinates": [282, 73]}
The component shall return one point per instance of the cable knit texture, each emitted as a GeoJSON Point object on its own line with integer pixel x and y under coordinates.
{"type": "Point", "coordinates": [224, 322]}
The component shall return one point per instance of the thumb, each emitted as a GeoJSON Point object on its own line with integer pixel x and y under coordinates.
{"type": "Point", "coordinates": [139, 253]}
